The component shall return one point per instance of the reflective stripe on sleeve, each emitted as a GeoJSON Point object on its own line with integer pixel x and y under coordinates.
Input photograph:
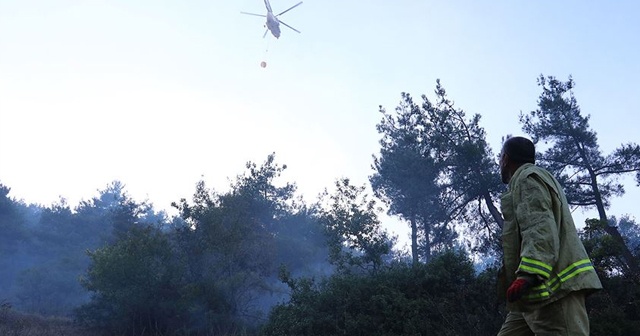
{"type": "Point", "coordinates": [546, 289]}
{"type": "Point", "coordinates": [535, 267]}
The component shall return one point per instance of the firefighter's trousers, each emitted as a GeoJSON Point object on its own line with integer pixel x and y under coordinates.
{"type": "Point", "coordinates": [565, 317]}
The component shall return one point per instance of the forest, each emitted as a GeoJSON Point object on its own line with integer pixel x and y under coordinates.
{"type": "Point", "coordinates": [256, 259]}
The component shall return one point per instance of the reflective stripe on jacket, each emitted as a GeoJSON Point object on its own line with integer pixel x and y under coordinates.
{"type": "Point", "coordinates": [540, 238]}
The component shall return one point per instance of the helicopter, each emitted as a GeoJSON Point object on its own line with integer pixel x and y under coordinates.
{"type": "Point", "coordinates": [273, 23]}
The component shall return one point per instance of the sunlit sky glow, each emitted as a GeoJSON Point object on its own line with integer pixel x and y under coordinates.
{"type": "Point", "coordinates": [160, 94]}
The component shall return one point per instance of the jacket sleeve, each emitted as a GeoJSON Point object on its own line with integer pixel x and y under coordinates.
{"type": "Point", "coordinates": [538, 228]}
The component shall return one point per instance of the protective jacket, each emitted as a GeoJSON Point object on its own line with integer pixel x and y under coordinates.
{"type": "Point", "coordinates": [540, 238]}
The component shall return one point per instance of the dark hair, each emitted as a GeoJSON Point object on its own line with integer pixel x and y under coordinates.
{"type": "Point", "coordinates": [520, 150]}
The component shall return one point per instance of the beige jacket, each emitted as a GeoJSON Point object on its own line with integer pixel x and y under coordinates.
{"type": "Point", "coordinates": [540, 238]}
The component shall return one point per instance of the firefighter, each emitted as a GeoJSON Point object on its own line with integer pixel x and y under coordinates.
{"type": "Point", "coordinates": [545, 265]}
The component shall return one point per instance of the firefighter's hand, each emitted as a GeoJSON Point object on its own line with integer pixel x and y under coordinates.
{"type": "Point", "coordinates": [519, 287]}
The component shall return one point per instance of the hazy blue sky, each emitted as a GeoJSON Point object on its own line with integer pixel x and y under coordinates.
{"type": "Point", "coordinates": [159, 94]}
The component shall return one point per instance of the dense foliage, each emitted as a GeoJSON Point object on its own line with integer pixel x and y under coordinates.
{"type": "Point", "coordinates": [443, 297]}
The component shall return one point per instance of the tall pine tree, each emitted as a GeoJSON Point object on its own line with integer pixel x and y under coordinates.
{"type": "Point", "coordinates": [588, 176]}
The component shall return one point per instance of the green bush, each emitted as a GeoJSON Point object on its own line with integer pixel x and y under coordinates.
{"type": "Point", "coordinates": [444, 297]}
{"type": "Point", "coordinates": [136, 284]}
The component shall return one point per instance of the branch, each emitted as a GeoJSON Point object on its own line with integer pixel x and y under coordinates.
{"type": "Point", "coordinates": [583, 203]}
{"type": "Point", "coordinates": [619, 171]}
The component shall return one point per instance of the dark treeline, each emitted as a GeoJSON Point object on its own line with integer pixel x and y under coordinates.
{"type": "Point", "coordinates": [257, 259]}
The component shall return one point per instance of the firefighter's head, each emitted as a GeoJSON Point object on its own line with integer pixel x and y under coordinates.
{"type": "Point", "coordinates": [516, 151]}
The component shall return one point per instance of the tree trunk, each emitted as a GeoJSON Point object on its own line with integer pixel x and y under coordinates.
{"type": "Point", "coordinates": [414, 239]}
{"type": "Point", "coordinates": [631, 261]}
{"type": "Point", "coordinates": [497, 216]}
{"type": "Point", "coordinates": [427, 243]}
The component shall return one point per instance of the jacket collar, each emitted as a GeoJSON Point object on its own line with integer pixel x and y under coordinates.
{"type": "Point", "coordinates": [518, 172]}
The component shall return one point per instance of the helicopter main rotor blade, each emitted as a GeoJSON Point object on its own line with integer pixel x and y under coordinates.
{"type": "Point", "coordinates": [265, 33]}
{"type": "Point", "coordinates": [253, 14]}
{"type": "Point", "coordinates": [268, 5]}
{"type": "Point", "coordinates": [294, 6]}
{"type": "Point", "coordinates": [288, 26]}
